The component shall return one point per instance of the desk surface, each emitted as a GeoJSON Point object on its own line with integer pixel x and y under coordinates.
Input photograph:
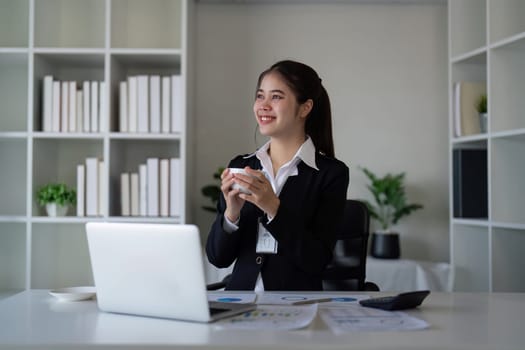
{"type": "Point", "coordinates": [457, 321]}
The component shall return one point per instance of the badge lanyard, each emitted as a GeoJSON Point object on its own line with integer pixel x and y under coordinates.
{"type": "Point", "coordinates": [265, 242]}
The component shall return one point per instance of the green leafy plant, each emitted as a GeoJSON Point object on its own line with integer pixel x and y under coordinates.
{"type": "Point", "coordinates": [56, 193]}
{"type": "Point", "coordinates": [481, 105]}
{"type": "Point", "coordinates": [213, 191]}
{"type": "Point", "coordinates": [390, 199]}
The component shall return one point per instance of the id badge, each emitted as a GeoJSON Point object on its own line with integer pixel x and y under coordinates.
{"type": "Point", "coordinates": [265, 242]}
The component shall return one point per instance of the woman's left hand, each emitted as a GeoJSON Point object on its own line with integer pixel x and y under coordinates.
{"type": "Point", "coordinates": [262, 194]}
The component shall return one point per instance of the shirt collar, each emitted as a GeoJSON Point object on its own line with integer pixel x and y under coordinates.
{"type": "Point", "coordinates": [306, 153]}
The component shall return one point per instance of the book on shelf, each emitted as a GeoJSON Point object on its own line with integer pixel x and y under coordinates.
{"type": "Point", "coordinates": [125, 195]}
{"type": "Point", "coordinates": [166, 104]}
{"type": "Point", "coordinates": [151, 104]}
{"type": "Point", "coordinates": [142, 103]}
{"type": "Point", "coordinates": [123, 107]}
{"type": "Point", "coordinates": [470, 198]}
{"type": "Point", "coordinates": [132, 104]}
{"type": "Point", "coordinates": [72, 104]}
{"type": "Point", "coordinates": [134, 195]}
{"type": "Point", "coordinates": [102, 188]}
{"type": "Point", "coordinates": [86, 91]}
{"type": "Point", "coordinates": [143, 190]}
{"type": "Point", "coordinates": [466, 116]}
{"type": "Point", "coordinates": [154, 190]}
{"type": "Point", "coordinates": [154, 103]}
{"type": "Point", "coordinates": [92, 191]}
{"type": "Point", "coordinates": [47, 103]}
{"type": "Point", "coordinates": [56, 107]}
{"type": "Point", "coordinates": [175, 187]}
{"type": "Point", "coordinates": [80, 110]}
{"type": "Point", "coordinates": [153, 186]}
{"type": "Point", "coordinates": [64, 106]}
{"type": "Point", "coordinates": [164, 188]}
{"type": "Point", "coordinates": [102, 108]}
{"type": "Point", "coordinates": [81, 185]}
{"type": "Point", "coordinates": [177, 106]}
{"type": "Point", "coordinates": [94, 106]}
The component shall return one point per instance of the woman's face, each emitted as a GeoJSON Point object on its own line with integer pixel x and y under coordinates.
{"type": "Point", "coordinates": [276, 108]}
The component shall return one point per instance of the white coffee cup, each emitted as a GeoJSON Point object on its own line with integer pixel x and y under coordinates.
{"type": "Point", "coordinates": [236, 186]}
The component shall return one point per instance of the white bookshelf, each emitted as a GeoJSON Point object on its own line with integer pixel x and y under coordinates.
{"type": "Point", "coordinates": [103, 40]}
{"type": "Point", "coordinates": [487, 43]}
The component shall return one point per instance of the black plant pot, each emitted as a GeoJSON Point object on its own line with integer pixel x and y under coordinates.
{"type": "Point", "coordinates": [385, 245]}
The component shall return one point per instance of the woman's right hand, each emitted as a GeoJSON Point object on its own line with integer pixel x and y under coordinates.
{"type": "Point", "coordinates": [233, 202]}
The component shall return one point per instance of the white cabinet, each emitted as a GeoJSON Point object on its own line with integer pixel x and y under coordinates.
{"type": "Point", "coordinates": [487, 44]}
{"type": "Point", "coordinates": [77, 40]}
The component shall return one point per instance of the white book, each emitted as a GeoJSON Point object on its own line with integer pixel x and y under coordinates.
{"type": "Point", "coordinates": [164, 187]}
{"type": "Point", "coordinates": [102, 111]}
{"type": "Point", "coordinates": [94, 106]}
{"type": "Point", "coordinates": [124, 194]}
{"type": "Point", "coordinates": [142, 103]}
{"type": "Point", "coordinates": [134, 187]}
{"type": "Point", "coordinates": [143, 190]}
{"type": "Point", "coordinates": [72, 106]}
{"type": "Point", "coordinates": [132, 104]}
{"type": "Point", "coordinates": [91, 186]}
{"type": "Point", "coordinates": [47, 103]}
{"type": "Point", "coordinates": [56, 107]}
{"type": "Point", "coordinates": [102, 188]}
{"type": "Point", "coordinates": [86, 114]}
{"type": "Point", "coordinates": [153, 186]}
{"type": "Point", "coordinates": [80, 110]}
{"type": "Point", "coordinates": [166, 104]}
{"type": "Point", "coordinates": [154, 103]}
{"type": "Point", "coordinates": [64, 106]}
{"type": "Point", "coordinates": [177, 104]}
{"type": "Point", "coordinates": [123, 107]}
{"type": "Point", "coordinates": [81, 185]}
{"type": "Point", "coordinates": [175, 187]}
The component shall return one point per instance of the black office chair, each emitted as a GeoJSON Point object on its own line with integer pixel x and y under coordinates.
{"type": "Point", "coordinates": [347, 271]}
{"type": "Point", "coordinates": [219, 285]}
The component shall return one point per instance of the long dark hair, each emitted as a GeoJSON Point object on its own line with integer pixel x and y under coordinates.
{"type": "Point", "coordinates": [306, 84]}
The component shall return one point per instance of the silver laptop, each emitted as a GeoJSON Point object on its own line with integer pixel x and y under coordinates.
{"type": "Point", "coordinates": [153, 270]}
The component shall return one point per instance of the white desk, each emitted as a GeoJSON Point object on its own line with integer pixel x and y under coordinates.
{"type": "Point", "coordinates": [406, 275]}
{"type": "Point", "coordinates": [33, 319]}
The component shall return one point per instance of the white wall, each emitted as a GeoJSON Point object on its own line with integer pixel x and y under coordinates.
{"type": "Point", "coordinates": [385, 69]}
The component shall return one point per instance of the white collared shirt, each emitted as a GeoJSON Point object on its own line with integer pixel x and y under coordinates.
{"type": "Point", "coordinates": [305, 153]}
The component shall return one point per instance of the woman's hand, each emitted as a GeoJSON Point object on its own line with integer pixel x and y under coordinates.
{"type": "Point", "coordinates": [233, 202]}
{"type": "Point", "coordinates": [262, 194]}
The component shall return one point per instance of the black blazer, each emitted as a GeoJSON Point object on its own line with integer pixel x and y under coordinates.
{"type": "Point", "coordinates": [312, 203]}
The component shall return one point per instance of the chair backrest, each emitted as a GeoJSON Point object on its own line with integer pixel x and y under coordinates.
{"type": "Point", "coordinates": [348, 268]}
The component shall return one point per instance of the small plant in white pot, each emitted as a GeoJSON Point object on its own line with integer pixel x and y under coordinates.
{"type": "Point", "coordinates": [481, 107]}
{"type": "Point", "coordinates": [56, 198]}
{"type": "Point", "coordinates": [390, 205]}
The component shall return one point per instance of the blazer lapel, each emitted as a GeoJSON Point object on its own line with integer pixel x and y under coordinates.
{"type": "Point", "coordinates": [295, 185]}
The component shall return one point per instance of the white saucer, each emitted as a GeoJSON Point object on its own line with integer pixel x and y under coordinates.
{"type": "Point", "coordinates": [73, 293]}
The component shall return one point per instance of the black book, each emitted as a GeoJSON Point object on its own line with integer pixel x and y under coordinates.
{"type": "Point", "coordinates": [470, 183]}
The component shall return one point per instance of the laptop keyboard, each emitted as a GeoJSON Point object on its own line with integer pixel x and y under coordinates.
{"type": "Point", "coordinates": [214, 310]}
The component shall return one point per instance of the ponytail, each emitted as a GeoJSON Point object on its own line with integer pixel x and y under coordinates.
{"type": "Point", "coordinates": [319, 124]}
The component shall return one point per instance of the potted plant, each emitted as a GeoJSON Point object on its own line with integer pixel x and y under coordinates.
{"type": "Point", "coordinates": [390, 205]}
{"type": "Point", "coordinates": [481, 107]}
{"type": "Point", "coordinates": [56, 197]}
{"type": "Point", "coordinates": [212, 191]}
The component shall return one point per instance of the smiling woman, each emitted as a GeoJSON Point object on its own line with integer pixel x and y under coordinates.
{"type": "Point", "coordinates": [280, 230]}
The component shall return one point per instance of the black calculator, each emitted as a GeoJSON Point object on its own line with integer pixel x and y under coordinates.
{"type": "Point", "coordinates": [403, 301]}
